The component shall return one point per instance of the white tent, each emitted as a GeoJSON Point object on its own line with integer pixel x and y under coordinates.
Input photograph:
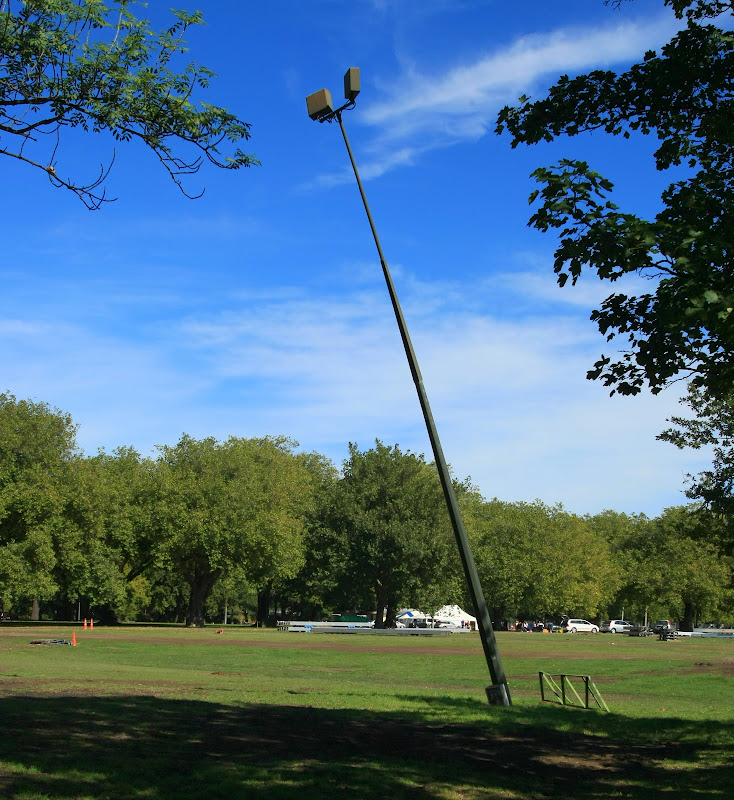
{"type": "Point", "coordinates": [447, 615]}
{"type": "Point", "coordinates": [455, 615]}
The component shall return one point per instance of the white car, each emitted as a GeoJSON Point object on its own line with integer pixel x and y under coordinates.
{"type": "Point", "coordinates": [616, 626]}
{"type": "Point", "coordinates": [580, 626]}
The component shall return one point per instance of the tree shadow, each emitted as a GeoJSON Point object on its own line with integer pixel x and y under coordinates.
{"type": "Point", "coordinates": [133, 747]}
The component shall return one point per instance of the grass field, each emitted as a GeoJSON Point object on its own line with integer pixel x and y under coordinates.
{"type": "Point", "coordinates": [135, 713]}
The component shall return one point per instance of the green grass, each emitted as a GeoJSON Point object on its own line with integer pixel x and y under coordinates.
{"type": "Point", "coordinates": [167, 713]}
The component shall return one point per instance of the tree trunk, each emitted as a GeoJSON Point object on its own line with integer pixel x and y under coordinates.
{"type": "Point", "coordinates": [263, 603]}
{"type": "Point", "coordinates": [381, 597]}
{"type": "Point", "coordinates": [201, 586]}
{"type": "Point", "coordinates": [178, 613]}
{"type": "Point", "coordinates": [35, 611]}
{"type": "Point", "coordinates": [688, 617]}
{"type": "Point", "coordinates": [390, 614]}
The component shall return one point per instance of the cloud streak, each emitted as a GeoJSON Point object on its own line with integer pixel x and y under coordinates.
{"type": "Point", "coordinates": [428, 110]}
{"type": "Point", "coordinates": [509, 395]}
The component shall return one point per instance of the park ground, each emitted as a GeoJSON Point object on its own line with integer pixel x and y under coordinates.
{"type": "Point", "coordinates": [157, 713]}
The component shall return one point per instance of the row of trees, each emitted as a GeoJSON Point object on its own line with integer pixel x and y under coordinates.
{"type": "Point", "coordinates": [256, 525]}
{"type": "Point", "coordinates": [131, 535]}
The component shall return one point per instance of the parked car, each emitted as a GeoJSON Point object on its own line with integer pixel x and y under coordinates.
{"type": "Point", "coordinates": [615, 626]}
{"type": "Point", "coordinates": [580, 626]}
{"type": "Point", "coordinates": [663, 625]}
{"type": "Point", "coordinates": [640, 630]}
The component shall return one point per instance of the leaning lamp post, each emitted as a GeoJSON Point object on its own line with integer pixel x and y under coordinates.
{"type": "Point", "coordinates": [320, 108]}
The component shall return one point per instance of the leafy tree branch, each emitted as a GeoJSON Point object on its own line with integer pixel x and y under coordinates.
{"type": "Point", "coordinates": [682, 95]}
{"type": "Point", "coordinates": [95, 66]}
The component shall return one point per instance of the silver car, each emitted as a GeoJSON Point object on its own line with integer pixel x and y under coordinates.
{"type": "Point", "coordinates": [616, 626]}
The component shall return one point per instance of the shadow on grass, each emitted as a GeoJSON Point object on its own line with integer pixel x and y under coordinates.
{"type": "Point", "coordinates": [124, 748]}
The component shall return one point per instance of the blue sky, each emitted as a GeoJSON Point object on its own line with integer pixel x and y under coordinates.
{"type": "Point", "coordinates": [260, 308]}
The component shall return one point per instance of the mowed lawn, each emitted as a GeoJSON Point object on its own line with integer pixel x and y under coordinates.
{"type": "Point", "coordinates": [165, 712]}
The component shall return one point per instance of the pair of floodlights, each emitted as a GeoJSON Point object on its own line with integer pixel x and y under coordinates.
{"type": "Point", "coordinates": [319, 103]}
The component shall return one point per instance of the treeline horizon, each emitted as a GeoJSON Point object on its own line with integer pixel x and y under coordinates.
{"type": "Point", "coordinates": [262, 529]}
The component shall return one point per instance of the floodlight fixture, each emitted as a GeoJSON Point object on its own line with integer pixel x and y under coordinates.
{"type": "Point", "coordinates": [351, 83]}
{"type": "Point", "coordinates": [319, 104]}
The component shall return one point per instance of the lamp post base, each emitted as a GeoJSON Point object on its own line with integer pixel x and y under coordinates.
{"type": "Point", "coordinates": [497, 695]}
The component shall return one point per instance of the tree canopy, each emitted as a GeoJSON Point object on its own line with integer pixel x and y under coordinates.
{"type": "Point", "coordinates": [538, 560]}
{"type": "Point", "coordinates": [682, 95]}
{"type": "Point", "coordinates": [674, 566]}
{"type": "Point", "coordinates": [712, 427]}
{"type": "Point", "coordinates": [37, 443]}
{"type": "Point", "coordinates": [95, 66]}
{"type": "Point", "coordinates": [234, 505]}
{"type": "Point", "coordinates": [388, 530]}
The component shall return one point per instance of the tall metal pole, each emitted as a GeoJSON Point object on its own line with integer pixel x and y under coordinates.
{"type": "Point", "coordinates": [498, 693]}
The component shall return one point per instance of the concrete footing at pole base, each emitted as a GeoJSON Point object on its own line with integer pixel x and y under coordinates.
{"type": "Point", "coordinates": [497, 695]}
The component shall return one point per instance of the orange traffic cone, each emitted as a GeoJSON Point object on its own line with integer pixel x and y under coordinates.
{"type": "Point", "coordinates": [91, 623]}
{"type": "Point", "coordinates": [85, 623]}
{"type": "Point", "coordinates": [73, 639]}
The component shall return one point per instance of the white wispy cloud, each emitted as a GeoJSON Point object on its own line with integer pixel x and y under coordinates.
{"type": "Point", "coordinates": [401, 157]}
{"type": "Point", "coordinates": [510, 398]}
{"type": "Point", "coordinates": [508, 394]}
{"type": "Point", "coordinates": [469, 89]}
{"type": "Point", "coordinates": [588, 293]}
{"type": "Point", "coordinates": [422, 109]}
{"type": "Point", "coordinates": [19, 327]}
